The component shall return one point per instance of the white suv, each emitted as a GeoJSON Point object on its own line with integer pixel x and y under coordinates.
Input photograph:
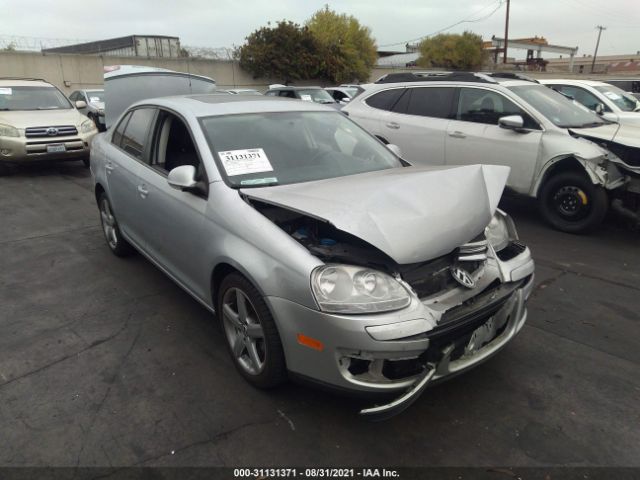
{"type": "Point", "coordinates": [607, 100]}
{"type": "Point", "coordinates": [559, 152]}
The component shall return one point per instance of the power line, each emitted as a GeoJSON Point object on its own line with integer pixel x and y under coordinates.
{"type": "Point", "coordinates": [465, 20]}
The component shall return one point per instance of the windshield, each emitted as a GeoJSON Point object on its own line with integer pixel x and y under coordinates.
{"type": "Point", "coordinates": [317, 95]}
{"type": "Point", "coordinates": [95, 96]}
{"type": "Point", "coordinates": [263, 149]}
{"type": "Point", "coordinates": [623, 100]}
{"type": "Point", "coordinates": [560, 110]}
{"type": "Point", "coordinates": [32, 98]}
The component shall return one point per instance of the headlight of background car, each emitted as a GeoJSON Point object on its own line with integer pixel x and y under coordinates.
{"type": "Point", "coordinates": [350, 289]}
{"type": "Point", "coordinates": [8, 131]}
{"type": "Point", "coordinates": [87, 126]}
{"type": "Point", "coordinates": [500, 231]}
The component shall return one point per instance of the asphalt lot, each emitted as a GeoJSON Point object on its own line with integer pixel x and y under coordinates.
{"type": "Point", "coordinates": [106, 362]}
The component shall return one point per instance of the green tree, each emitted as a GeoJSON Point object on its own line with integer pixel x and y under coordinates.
{"type": "Point", "coordinates": [287, 51]}
{"type": "Point", "coordinates": [452, 51]}
{"type": "Point", "coordinates": [348, 50]}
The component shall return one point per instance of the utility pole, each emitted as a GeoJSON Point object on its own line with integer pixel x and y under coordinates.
{"type": "Point", "coordinates": [506, 35]}
{"type": "Point", "coordinates": [595, 54]}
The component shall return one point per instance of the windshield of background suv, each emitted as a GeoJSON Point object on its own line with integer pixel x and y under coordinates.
{"type": "Point", "coordinates": [317, 95]}
{"type": "Point", "coordinates": [622, 99]}
{"type": "Point", "coordinates": [32, 98]}
{"type": "Point", "coordinates": [263, 149]}
{"type": "Point", "coordinates": [560, 110]}
{"type": "Point", "coordinates": [95, 96]}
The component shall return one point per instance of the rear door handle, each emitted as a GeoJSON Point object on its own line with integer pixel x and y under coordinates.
{"type": "Point", "coordinates": [143, 191]}
{"type": "Point", "coordinates": [109, 167]}
{"type": "Point", "coordinates": [457, 134]}
{"type": "Point", "coordinates": [393, 125]}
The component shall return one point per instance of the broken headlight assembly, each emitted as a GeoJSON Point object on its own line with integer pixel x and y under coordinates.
{"type": "Point", "coordinates": [500, 231]}
{"type": "Point", "coordinates": [351, 289]}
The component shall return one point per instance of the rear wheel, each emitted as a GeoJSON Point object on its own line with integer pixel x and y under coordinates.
{"type": "Point", "coordinates": [251, 333]}
{"type": "Point", "coordinates": [570, 202]}
{"type": "Point", "coordinates": [118, 245]}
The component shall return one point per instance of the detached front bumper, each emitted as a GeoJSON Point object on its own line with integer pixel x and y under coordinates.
{"type": "Point", "coordinates": [407, 349]}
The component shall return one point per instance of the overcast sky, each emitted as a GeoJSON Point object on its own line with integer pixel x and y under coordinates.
{"type": "Point", "coordinates": [224, 23]}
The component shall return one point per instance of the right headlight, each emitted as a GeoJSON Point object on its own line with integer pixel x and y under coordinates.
{"type": "Point", "coordinates": [351, 289]}
{"type": "Point", "coordinates": [500, 231]}
{"type": "Point", "coordinates": [8, 131]}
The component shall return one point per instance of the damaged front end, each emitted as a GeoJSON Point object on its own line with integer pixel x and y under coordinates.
{"type": "Point", "coordinates": [464, 306]}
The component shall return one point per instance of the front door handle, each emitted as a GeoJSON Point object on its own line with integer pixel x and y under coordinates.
{"type": "Point", "coordinates": [393, 125]}
{"type": "Point", "coordinates": [457, 134]}
{"type": "Point", "coordinates": [109, 167]}
{"type": "Point", "coordinates": [143, 191]}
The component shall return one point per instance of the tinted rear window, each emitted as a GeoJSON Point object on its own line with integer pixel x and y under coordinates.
{"type": "Point", "coordinates": [431, 102]}
{"type": "Point", "coordinates": [135, 134]}
{"type": "Point", "coordinates": [385, 100]}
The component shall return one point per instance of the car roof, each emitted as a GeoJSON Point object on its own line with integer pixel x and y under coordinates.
{"type": "Point", "coordinates": [297, 88]}
{"type": "Point", "coordinates": [436, 83]}
{"type": "Point", "coordinates": [205, 105]}
{"type": "Point", "coordinates": [23, 82]}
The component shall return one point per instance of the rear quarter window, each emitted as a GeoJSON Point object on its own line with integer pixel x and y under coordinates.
{"type": "Point", "coordinates": [386, 99]}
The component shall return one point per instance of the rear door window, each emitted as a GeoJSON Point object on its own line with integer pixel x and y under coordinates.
{"type": "Point", "coordinates": [433, 102]}
{"type": "Point", "coordinates": [136, 133]}
{"type": "Point", "coordinates": [386, 99]}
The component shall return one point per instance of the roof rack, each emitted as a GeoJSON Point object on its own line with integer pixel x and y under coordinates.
{"type": "Point", "coordinates": [435, 77]}
{"type": "Point", "coordinates": [511, 75]}
{"type": "Point", "coordinates": [28, 79]}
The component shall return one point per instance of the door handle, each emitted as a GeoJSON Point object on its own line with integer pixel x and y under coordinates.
{"type": "Point", "coordinates": [457, 134]}
{"type": "Point", "coordinates": [109, 167]}
{"type": "Point", "coordinates": [143, 191]}
{"type": "Point", "coordinates": [393, 125]}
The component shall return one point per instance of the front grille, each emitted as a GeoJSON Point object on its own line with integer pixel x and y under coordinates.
{"type": "Point", "coordinates": [51, 131]}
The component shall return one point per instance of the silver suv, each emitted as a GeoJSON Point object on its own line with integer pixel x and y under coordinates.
{"type": "Point", "coordinates": [561, 153]}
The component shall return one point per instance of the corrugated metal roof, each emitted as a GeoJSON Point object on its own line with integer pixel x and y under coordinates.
{"type": "Point", "coordinates": [101, 46]}
{"type": "Point", "coordinates": [399, 60]}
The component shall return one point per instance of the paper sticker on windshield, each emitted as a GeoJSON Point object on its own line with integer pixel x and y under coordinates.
{"type": "Point", "coordinates": [306, 98]}
{"type": "Point", "coordinates": [244, 162]}
{"type": "Point", "coordinates": [5, 91]}
{"type": "Point", "coordinates": [612, 95]}
{"type": "Point", "coordinates": [94, 99]}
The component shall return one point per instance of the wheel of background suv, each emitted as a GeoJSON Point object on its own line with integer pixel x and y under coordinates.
{"type": "Point", "coordinates": [570, 202]}
{"type": "Point", "coordinates": [251, 333]}
{"type": "Point", "coordinates": [118, 245]}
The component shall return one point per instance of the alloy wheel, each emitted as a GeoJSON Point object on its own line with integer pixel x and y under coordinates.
{"type": "Point", "coordinates": [108, 223]}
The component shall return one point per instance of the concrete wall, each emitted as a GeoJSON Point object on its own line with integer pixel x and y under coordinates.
{"type": "Point", "coordinates": [71, 72]}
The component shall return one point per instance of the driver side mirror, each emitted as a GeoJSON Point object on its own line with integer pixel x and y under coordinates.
{"type": "Point", "coordinates": [511, 122]}
{"type": "Point", "coordinates": [183, 177]}
{"type": "Point", "coordinates": [599, 109]}
{"type": "Point", "coordinates": [81, 104]}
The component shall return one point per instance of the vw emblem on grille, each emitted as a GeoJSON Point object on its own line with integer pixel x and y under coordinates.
{"type": "Point", "coordinates": [463, 277]}
{"type": "Point", "coordinates": [51, 131]}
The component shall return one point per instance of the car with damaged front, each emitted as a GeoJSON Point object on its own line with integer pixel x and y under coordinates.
{"type": "Point", "coordinates": [324, 256]}
{"type": "Point", "coordinates": [575, 163]}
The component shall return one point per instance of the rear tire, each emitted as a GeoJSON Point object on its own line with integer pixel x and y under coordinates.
{"type": "Point", "coordinates": [116, 242]}
{"type": "Point", "coordinates": [250, 331]}
{"type": "Point", "coordinates": [570, 202]}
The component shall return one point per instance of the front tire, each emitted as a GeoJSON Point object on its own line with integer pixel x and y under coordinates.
{"type": "Point", "coordinates": [571, 203]}
{"type": "Point", "coordinates": [250, 330]}
{"type": "Point", "coordinates": [116, 242]}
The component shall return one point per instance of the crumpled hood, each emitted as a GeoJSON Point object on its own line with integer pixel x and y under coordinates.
{"type": "Point", "coordinates": [412, 214]}
{"type": "Point", "coordinates": [41, 118]}
{"type": "Point", "coordinates": [623, 140]}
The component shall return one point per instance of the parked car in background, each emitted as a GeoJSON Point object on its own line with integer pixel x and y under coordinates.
{"type": "Point", "coordinates": [308, 94]}
{"type": "Point", "coordinates": [567, 157]}
{"type": "Point", "coordinates": [94, 109]}
{"type": "Point", "coordinates": [38, 123]}
{"type": "Point", "coordinates": [629, 85]}
{"type": "Point", "coordinates": [244, 91]}
{"type": "Point", "coordinates": [606, 100]}
{"type": "Point", "coordinates": [344, 94]}
{"type": "Point", "coordinates": [323, 255]}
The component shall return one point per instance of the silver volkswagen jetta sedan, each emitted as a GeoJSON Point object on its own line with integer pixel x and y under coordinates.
{"type": "Point", "coordinates": [325, 256]}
